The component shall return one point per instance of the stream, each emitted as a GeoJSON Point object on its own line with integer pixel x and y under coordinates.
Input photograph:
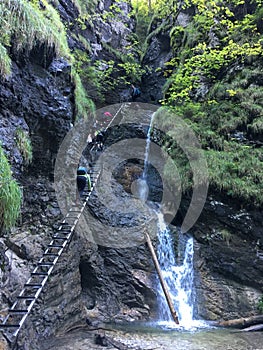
{"type": "Point", "coordinates": [146, 337]}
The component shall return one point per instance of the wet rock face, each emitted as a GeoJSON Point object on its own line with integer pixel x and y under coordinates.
{"type": "Point", "coordinates": [118, 284]}
{"type": "Point", "coordinates": [39, 101]}
{"type": "Point", "coordinates": [158, 53]}
{"type": "Point", "coordinates": [228, 261]}
{"type": "Point", "coordinates": [108, 33]}
{"type": "Point", "coordinates": [9, 124]}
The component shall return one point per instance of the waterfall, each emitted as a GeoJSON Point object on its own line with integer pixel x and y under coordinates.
{"type": "Point", "coordinates": [147, 148]}
{"type": "Point", "coordinates": [177, 271]}
{"type": "Point", "coordinates": [142, 185]}
{"type": "Point", "coordinates": [178, 274]}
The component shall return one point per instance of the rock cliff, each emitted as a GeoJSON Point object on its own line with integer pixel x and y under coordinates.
{"type": "Point", "coordinates": [91, 281]}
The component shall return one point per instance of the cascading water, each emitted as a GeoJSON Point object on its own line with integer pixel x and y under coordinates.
{"type": "Point", "coordinates": [142, 182]}
{"type": "Point", "coordinates": [178, 272]}
{"type": "Point", "coordinates": [147, 148]}
{"type": "Point", "coordinates": [178, 275]}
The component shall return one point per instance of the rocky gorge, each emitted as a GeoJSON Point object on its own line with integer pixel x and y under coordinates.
{"type": "Point", "coordinates": [92, 283]}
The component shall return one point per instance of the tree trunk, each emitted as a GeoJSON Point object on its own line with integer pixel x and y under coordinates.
{"type": "Point", "coordinates": [257, 327]}
{"type": "Point", "coordinates": [242, 322]}
{"type": "Point", "coordinates": [20, 252]}
{"type": "Point", "coordinates": [163, 283]}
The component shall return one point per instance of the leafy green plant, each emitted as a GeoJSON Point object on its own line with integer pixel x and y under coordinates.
{"type": "Point", "coordinates": [238, 41]}
{"type": "Point", "coordinates": [10, 195]}
{"type": "Point", "coordinates": [214, 83]}
{"type": "Point", "coordinates": [133, 70]}
{"type": "Point", "coordinates": [24, 144]}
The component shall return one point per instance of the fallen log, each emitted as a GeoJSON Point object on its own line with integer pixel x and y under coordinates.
{"type": "Point", "coordinates": [242, 322]}
{"type": "Point", "coordinates": [19, 251]}
{"type": "Point", "coordinates": [163, 283]}
{"type": "Point", "coordinates": [257, 327]}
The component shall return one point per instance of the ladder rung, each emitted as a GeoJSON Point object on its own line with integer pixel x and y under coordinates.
{"type": "Point", "coordinates": [65, 232]}
{"type": "Point", "coordinates": [36, 285]}
{"type": "Point", "coordinates": [45, 264]}
{"type": "Point", "coordinates": [49, 258]}
{"type": "Point", "coordinates": [50, 254]}
{"type": "Point", "coordinates": [55, 246]}
{"type": "Point", "coordinates": [18, 311]}
{"type": "Point", "coordinates": [30, 297]}
{"type": "Point", "coordinates": [72, 217]}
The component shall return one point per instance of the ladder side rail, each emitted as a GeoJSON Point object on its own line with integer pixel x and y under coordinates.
{"type": "Point", "coordinates": [55, 256]}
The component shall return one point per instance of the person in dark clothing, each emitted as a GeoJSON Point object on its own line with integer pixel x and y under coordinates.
{"type": "Point", "coordinates": [83, 179]}
{"type": "Point", "coordinates": [136, 92]}
{"type": "Point", "coordinates": [100, 138]}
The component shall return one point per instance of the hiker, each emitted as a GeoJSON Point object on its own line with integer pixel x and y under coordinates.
{"type": "Point", "coordinates": [107, 115]}
{"type": "Point", "coordinates": [89, 139]}
{"type": "Point", "coordinates": [100, 138]}
{"type": "Point", "coordinates": [83, 179]}
{"type": "Point", "coordinates": [136, 92]}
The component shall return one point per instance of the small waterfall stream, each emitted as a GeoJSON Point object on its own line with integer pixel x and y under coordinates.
{"type": "Point", "coordinates": [141, 183]}
{"type": "Point", "coordinates": [147, 148]}
{"type": "Point", "coordinates": [177, 270]}
{"type": "Point", "coordinates": [178, 274]}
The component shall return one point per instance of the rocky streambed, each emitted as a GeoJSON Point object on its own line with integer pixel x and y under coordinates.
{"type": "Point", "coordinates": [149, 337]}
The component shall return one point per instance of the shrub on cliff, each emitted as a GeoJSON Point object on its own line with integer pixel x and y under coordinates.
{"type": "Point", "coordinates": [25, 24]}
{"type": "Point", "coordinates": [10, 195]}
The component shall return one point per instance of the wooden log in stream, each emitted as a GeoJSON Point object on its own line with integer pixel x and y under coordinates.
{"type": "Point", "coordinates": [163, 283]}
{"type": "Point", "coordinates": [242, 322]}
{"type": "Point", "coordinates": [257, 327]}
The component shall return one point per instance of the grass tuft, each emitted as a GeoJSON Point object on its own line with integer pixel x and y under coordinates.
{"type": "Point", "coordinates": [10, 195]}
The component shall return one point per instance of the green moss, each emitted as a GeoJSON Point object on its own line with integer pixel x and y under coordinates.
{"type": "Point", "coordinates": [10, 195]}
{"type": "Point", "coordinates": [84, 105]}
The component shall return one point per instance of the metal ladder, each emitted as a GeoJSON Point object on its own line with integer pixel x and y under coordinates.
{"type": "Point", "coordinates": [19, 311]}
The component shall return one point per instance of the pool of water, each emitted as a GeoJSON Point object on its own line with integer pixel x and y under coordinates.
{"type": "Point", "coordinates": [162, 337]}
